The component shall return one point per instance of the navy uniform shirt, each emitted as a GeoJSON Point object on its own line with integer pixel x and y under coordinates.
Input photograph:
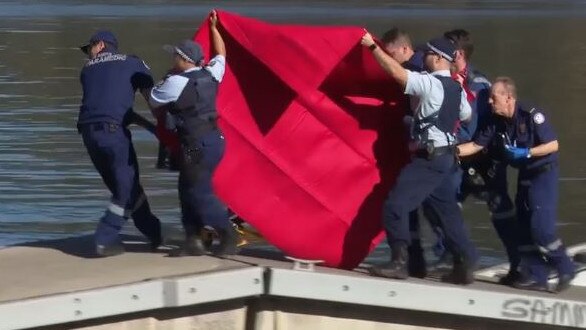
{"type": "Point", "coordinates": [109, 83]}
{"type": "Point", "coordinates": [528, 128]}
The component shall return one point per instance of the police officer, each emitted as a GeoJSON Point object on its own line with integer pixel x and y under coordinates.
{"type": "Point", "coordinates": [485, 174]}
{"type": "Point", "coordinates": [529, 144]}
{"type": "Point", "coordinates": [190, 97]}
{"type": "Point", "coordinates": [398, 45]}
{"type": "Point", "coordinates": [442, 102]}
{"type": "Point", "coordinates": [110, 80]}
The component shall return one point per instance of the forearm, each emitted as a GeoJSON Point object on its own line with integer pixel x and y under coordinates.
{"type": "Point", "coordinates": [390, 66]}
{"type": "Point", "coordinates": [142, 122]}
{"type": "Point", "coordinates": [544, 149]}
{"type": "Point", "coordinates": [218, 41]}
{"type": "Point", "coordinates": [467, 149]}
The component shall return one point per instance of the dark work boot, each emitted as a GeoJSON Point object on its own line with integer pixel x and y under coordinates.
{"type": "Point", "coordinates": [527, 283]}
{"type": "Point", "coordinates": [512, 276]}
{"type": "Point", "coordinates": [228, 242]}
{"type": "Point", "coordinates": [398, 266]}
{"type": "Point", "coordinates": [193, 246]}
{"type": "Point", "coordinates": [564, 282]}
{"type": "Point", "coordinates": [110, 250]}
{"type": "Point", "coordinates": [462, 273]}
{"type": "Point", "coordinates": [416, 265]}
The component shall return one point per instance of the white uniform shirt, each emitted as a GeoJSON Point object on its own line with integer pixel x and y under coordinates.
{"type": "Point", "coordinates": [170, 89]}
{"type": "Point", "coordinates": [428, 93]}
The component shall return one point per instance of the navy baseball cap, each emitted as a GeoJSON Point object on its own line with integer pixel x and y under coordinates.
{"type": "Point", "coordinates": [102, 35]}
{"type": "Point", "coordinates": [190, 50]}
{"type": "Point", "coordinates": [443, 47]}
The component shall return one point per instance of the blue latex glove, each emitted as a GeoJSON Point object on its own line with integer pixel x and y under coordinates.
{"type": "Point", "coordinates": [515, 153]}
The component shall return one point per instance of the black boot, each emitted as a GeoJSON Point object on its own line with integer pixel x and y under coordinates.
{"type": "Point", "coordinates": [527, 283]}
{"type": "Point", "coordinates": [416, 265]}
{"type": "Point", "coordinates": [462, 273]}
{"type": "Point", "coordinates": [193, 246]}
{"type": "Point", "coordinates": [228, 242]}
{"type": "Point", "coordinates": [109, 250]}
{"type": "Point", "coordinates": [398, 266]}
{"type": "Point", "coordinates": [512, 276]}
{"type": "Point", "coordinates": [564, 282]}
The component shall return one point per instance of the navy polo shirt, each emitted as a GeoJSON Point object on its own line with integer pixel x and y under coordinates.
{"type": "Point", "coordinates": [109, 83]}
{"type": "Point", "coordinates": [528, 128]}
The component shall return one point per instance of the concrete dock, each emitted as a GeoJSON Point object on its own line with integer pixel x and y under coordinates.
{"type": "Point", "coordinates": [57, 285]}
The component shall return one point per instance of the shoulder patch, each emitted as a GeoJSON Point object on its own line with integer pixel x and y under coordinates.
{"type": "Point", "coordinates": [539, 118]}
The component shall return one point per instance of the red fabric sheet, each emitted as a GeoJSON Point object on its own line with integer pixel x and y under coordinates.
{"type": "Point", "coordinates": [314, 136]}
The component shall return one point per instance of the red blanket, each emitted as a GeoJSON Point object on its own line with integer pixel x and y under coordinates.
{"type": "Point", "coordinates": [314, 136]}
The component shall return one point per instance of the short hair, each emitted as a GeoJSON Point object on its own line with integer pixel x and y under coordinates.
{"type": "Point", "coordinates": [509, 84]}
{"type": "Point", "coordinates": [462, 39]}
{"type": "Point", "coordinates": [396, 35]}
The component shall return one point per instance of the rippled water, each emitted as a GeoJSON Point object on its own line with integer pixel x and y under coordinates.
{"type": "Point", "coordinates": [49, 189]}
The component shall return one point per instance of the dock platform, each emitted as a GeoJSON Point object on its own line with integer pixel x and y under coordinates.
{"type": "Point", "coordinates": [57, 285]}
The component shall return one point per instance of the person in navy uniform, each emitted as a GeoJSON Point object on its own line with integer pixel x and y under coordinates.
{"type": "Point", "coordinates": [485, 174]}
{"type": "Point", "coordinates": [189, 97]}
{"type": "Point", "coordinates": [109, 80]}
{"type": "Point", "coordinates": [529, 144]}
{"type": "Point", "coordinates": [441, 103]}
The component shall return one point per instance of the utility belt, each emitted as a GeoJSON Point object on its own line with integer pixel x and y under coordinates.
{"type": "Point", "coordinates": [431, 152]}
{"type": "Point", "coordinates": [533, 172]}
{"type": "Point", "coordinates": [99, 126]}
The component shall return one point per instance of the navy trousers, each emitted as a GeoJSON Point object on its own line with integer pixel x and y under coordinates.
{"type": "Point", "coordinates": [112, 153]}
{"type": "Point", "coordinates": [502, 210]}
{"type": "Point", "coordinates": [199, 204]}
{"type": "Point", "coordinates": [423, 179]}
{"type": "Point", "coordinates": [540, 247]}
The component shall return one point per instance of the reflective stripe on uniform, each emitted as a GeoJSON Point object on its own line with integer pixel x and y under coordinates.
{"type": "Point", "coordinates": [120, 211]}
{"type": "Point", "coordinates": [551, 246]}
{"type": "Point", "coordinates": [117, 210]}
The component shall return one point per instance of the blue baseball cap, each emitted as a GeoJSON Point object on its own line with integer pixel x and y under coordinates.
{"type": "Point", "coordinates": [102, 35]}
{"type": "Point", "coordinates": [190, 50]}
{"type": "Point", "coordinates": [443, 47]}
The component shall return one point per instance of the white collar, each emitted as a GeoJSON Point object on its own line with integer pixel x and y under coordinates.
{"type": "Point", "coordinates": [443, 73]}
{"type": "Point", "coordinates": [197, 68]}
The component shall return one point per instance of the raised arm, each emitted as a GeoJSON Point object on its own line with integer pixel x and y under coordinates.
{"type": "Point", "coordinates": [392, 67]}
{"type": "Point", "coordinates": [217, 40]}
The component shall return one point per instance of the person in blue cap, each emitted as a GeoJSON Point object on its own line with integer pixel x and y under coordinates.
{"type": "Point", "coordinates": [529, 144]}
{"type": "Point", "coordinates": [110, 80]}
{"type": "Point", "coordinates": [189, 97]}
{"type": "Point", "coordinates": [441, 104]}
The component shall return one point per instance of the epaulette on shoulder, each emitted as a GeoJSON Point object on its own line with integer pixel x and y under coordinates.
{"type": "Point", "coordinates": [528, 108]}
{"type": "Point", "coordinates": [478, 77]}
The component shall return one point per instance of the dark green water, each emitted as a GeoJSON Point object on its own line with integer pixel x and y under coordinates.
{"type": "Point", "coordinates": [49, 189]}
